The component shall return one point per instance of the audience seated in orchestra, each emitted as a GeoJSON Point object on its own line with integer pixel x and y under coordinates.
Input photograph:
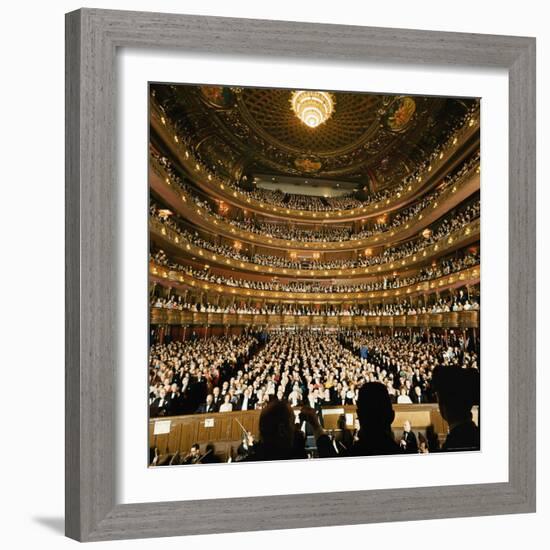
{"type": "Point", "coordinates": [283, 432]}
{"type": "Point", "coordinates": [222, 374]}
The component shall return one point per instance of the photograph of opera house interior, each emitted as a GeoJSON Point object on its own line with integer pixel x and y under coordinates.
{"type": "Point", "coordinates": [314, 274]}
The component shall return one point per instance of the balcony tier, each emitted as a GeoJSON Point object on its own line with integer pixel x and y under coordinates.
{"type": "Point", "coordinates": [459, 319]}
{"type": "Point", "coordinates": [457, 239]}
{"type": "Point", "coordinates": [163, 275]}
{"type": "Point", "coordinates": [183, 203]}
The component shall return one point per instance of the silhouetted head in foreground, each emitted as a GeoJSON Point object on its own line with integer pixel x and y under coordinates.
{"type": "Point", "coordinates": [457, 392]}
{"type": "Point", "coordinates": [209, 456]}
{"type": "Point", "coordinates": [375, 413]}
{"type": "Point", "coordinates": [277, 431]}
{"type": "Point", "coordinates": [374, 408]}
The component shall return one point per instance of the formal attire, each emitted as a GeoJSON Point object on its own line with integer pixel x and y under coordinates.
{"type": "Point", "coordinates": [217, 402]}
{"type": "Point", "coordinates": [246, 404]}
{"type": "Point", "coordinates": [419, 398]}
{"type": "Point", "coordinates": [206, 408]}
{"type": "Point", "coordinates": [159, 406]}
{"type": "Point", "coordinates": [409, 443]}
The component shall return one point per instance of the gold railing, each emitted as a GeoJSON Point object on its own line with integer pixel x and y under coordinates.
{"type": "Point", "coordinates": [164, 275]}
{"type": "Point", "coordinates": [459, 319]}
{"type": "Point", "coordinates": [462, 236]}
{"type": "Point", "coordinates": [186, 205]}
{"type": "Point", "coordinates": [209, 181]}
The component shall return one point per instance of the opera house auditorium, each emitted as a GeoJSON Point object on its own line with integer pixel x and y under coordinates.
{"type": "Point", "coordinates": [314, 271]}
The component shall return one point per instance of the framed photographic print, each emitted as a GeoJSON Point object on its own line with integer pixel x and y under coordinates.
{"type": "Point", "coordinates": [275, 234]}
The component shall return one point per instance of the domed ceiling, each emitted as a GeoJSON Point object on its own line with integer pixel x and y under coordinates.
{"type": "Point", "coordinates": [373, 139]}
{"type": "Point", "coordinates": [269, 113]}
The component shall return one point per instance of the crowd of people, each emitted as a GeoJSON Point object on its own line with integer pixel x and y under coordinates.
{"type": "Point", "coordinates": [327, 233]}
{"type": "Point", "coordinates": [291, 375]}
{"type": "Point", "coordinates": [310, 203]}
{"type": "Point", "coordinates": [320, 286]}
{"type": "Point", "coordinates": [305, 202]}
{"type": "Point", "coordinates": [182, 373]}
{"type": "Point", "coordinates": [438, 231]}
{"type": "Point", "coordinates": [285, 434]}
{"type": "Point", "coordinates": [322, 204]}
{"type": "Point", "coordinates": [222, 374]}
{"type": "Point", "coordinates": [332, 233]}
{"type": "Point", "coordinates": [460, 302]}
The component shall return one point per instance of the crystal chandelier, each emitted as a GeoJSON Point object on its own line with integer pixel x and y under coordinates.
{"type": "Point", "coordinates": [312, 108]}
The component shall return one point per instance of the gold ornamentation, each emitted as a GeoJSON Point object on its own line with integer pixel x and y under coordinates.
{"type": "Point", "coordinates": [308, 164]}
{"type": "Point", "coordinates": [312, 108]}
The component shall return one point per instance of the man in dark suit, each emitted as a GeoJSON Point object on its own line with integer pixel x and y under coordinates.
{"type": "Point", "coordinates": [408, 440]}
{"type": "Point", "coordinates": [217, 399]}
{"type": "Point", "coordinates": [418, 396]}
{"type": "Point", "coordinates": [175, 401]}
{"type": "Point", "coordinates": [159, 407]}
{"type": "Point", "coordinates": [207, 406]}
{"type": "Point", "coordinates": [245, 402]}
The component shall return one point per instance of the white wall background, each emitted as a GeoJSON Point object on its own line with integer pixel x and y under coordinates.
{"type": "Point", "coordinates": [32, 91]}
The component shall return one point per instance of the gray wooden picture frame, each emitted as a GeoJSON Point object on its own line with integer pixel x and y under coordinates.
{"type": "Point", "coordinates": [92, 39]}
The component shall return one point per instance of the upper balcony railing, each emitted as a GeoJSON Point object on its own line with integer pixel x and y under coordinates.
{"type": "Point", "coordinates": [186, 205]}
{"type": "Point", "coordinates": [233, 194]}
{"type": "Point", "coordinates": [164, 275]}
{"type": "Point", "coordinates": [459, 238]}
{"type": "Point", "coordinates": [450, 319]}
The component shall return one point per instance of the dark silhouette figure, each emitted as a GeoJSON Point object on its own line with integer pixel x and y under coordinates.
{"type": "Point", "coordinates": [423, 446]}
{"type": "Point", "coordinates": [376, 414]}
{"type": "Point", "coordinates": [281, 438]}
{"type": "Point", "coordinates": [344, 437]}
{"type": "Point", "coordinates": [457, 391]}
{"type": "Point", "coordinates": [277, 433]}
{"type": "Point", "coordinates": [432, 439]}
{"type": "Point", "coordinates": [209, 456]}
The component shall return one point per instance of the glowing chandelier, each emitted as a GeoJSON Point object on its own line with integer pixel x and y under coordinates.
{"type": "Point", "coordinates": [312, 108]}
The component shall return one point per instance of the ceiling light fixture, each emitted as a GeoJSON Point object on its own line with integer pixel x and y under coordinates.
{"type": "Point", "coordinates": [312, 108]}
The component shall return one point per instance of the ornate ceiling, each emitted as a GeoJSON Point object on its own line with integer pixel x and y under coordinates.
{"type": "Point", "coordinates": [268, 113]}
{"type": "Point", "coordinates": [373, 139]}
